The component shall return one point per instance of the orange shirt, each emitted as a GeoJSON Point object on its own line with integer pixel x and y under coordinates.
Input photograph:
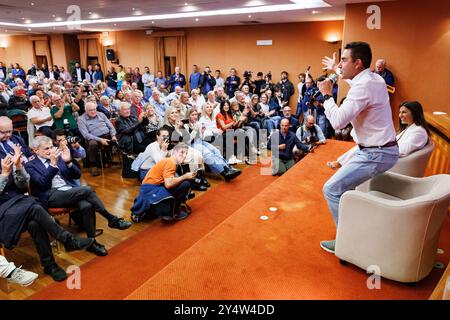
{"type": "Point", "coordinates": [165, 168]}
{"type": "Point", "coordinates": [226, 119]}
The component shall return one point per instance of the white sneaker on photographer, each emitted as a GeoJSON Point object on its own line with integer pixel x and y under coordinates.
{"type": "Point", "coordinates": [22, 277]}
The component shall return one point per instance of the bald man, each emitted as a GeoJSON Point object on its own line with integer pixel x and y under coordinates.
{"type": "Point", "coordinates": [282, 144]}
{"type": "Point", "coordinates": [380, 68]}
{"type": "Point", "coordinates": [8, 140]}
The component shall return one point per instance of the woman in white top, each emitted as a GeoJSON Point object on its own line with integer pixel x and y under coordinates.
{"type": "Point", "coordinates": [412, 136]}
{"type": "Point", "coordinates": [208, 120]}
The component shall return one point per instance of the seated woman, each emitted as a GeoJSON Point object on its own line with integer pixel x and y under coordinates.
{"type": "Point", "coordinates": [241, 130]}
{"type": "Point", "coordinates": [412, 136]}
{"type": "Point", "coordinates": [226, 123]}
{"type": "Point", "coordinates": [155, 121]}
{"type": "Point", "coordinates": [163, 192]}
{"type": "Point", "coordinates": [118, 98]}
{"type": "Point", "coordinates": [131, 136]}
{"type": "Point", "coordinates": [208, 121]}
{"type": "Point", "coordinates": [211, 155]}
{"type": "Point", "coordinates": [268, 116]}
{"type": "Point", "coordinates": [106, 108]}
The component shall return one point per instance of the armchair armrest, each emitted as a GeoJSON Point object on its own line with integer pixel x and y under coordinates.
{"type": "Point", "coordinates": [386, 233]}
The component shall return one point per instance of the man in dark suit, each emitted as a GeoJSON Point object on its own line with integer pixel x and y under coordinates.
{"type": "Point", "coordinates": [52, 174]}
{"type": "Point", "coordinates": [19, 212]}
{"type": "Point", "coordinates": [177, 79]}
{"type": "Point", "coordinates": [8, 140]}
{"type": "Point", "coordinates": [79, 73]}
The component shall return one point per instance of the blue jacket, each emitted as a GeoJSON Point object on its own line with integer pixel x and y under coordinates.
{"type": "Point", "coordinates": [173, 82]}
{"type": "Point", "coordinates": [194, 80]}
{"type": "Point", "coordinates": [41, 177]}
{"type": "Point", "coordinates": [149, 194]}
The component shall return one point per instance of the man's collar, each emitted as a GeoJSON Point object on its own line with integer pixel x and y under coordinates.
{"type": "Point", "coordinates": [360, 75]}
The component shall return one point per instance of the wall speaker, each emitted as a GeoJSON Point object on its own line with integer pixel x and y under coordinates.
{"type": "Point", "coordinates": [110, 55]}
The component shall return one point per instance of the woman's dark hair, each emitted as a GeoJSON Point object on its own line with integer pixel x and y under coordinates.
{"type": "Point", "coordinates": [222, 104]}
{"type": "Point", "coordinates": [417, 114]}
{"type": "Point", "coordinates": [117, 95]}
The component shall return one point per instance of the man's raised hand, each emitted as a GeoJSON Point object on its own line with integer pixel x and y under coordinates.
{"type": "Point", "coordinates": [330, 63]}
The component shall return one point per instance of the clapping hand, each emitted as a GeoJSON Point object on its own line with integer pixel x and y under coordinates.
{"type": "Point", "coordinates": [7, 165]}
{"type": "Point", "coordinates": [330, 63]}
{"type": "Point", "coordinates": [65, 153]}
{"type": "Point", "coordinates": [17, 158]}
{"type": "Point", "coordinates": [54, 154]}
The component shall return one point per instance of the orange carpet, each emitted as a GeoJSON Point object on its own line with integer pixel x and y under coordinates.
{"type": "Point", "coordinates": [248, 258]}
{"type": "Point", "coordinates": [135, 260]}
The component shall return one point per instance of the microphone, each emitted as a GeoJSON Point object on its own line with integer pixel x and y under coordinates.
{"type": "Point", "coordinates": [333, 78]}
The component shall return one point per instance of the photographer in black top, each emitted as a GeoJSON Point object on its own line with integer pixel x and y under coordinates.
{"type": "Point", "coordinates": [248, 81]}
{"type": "Point", "coordinates": [207, 81]}
{"type": "Point", "coordinates": [287, 88]}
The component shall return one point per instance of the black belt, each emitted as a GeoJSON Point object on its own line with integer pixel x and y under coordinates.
{"type": "Point", "coordinates": [389, 144]}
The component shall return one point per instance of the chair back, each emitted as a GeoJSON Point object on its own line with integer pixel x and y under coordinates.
{"type": "Point", "coordinates": [414, 164]}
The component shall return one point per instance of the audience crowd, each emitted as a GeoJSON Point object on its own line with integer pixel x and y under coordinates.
{"type": "Point", "coordinates": [168, 131]}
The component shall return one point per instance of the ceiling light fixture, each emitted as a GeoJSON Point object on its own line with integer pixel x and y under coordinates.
{"type": "Point", "coordinates": [314, 12]}
{"type": "Point", "coordinates": [32, 3]}
{"type": "Point", "coordinates": [196, 19]}
{"type": "Point", "coordinates": [28, 21]}
{"type": "Point", "coordinates": [305, 4]}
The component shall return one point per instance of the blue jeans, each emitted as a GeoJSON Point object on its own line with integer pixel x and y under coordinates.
{"type": "Point", "coordinates": [364, 165]}
{"type": "Point", "coordinates": [322, 123]}
{"type": "Point", "coordinates": [211, 155]}
{"type": "Point", "coordinates": [147, 93]}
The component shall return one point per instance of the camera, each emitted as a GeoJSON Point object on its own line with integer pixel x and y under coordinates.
{"type": "Point", "coordinates": [71, 139]}
{"type": "Point", "coordinates": [247, 75]}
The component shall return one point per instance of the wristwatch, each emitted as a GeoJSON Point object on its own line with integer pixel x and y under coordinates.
{"type": "Point", "coordinates": [326, 97]}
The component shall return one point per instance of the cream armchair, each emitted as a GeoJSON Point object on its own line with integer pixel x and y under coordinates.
{"type": "Point", "coordinates": [412, 165]}
{"type": "Point", "coordinates": [394, 226]}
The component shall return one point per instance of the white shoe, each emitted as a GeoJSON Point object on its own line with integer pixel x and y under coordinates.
{"type": "Point", "coordinates": [232, 160]}
{"type": "Point", "coordinates": [22, 277]}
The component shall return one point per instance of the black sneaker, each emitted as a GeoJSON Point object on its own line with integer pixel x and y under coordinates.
{"type": "Point", "coordinates": [98, 249]}
{"type": "Point", "coordinates": [77, 243]}
{"type": "Point", "coordinates": [119, 223]}
{"type": "Point", "coordinates": [56, 272]}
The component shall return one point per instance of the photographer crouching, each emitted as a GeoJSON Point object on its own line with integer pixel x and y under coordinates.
{"type": "Point", "coordinates": [309, 134]}
{"type": "Point", "coordinates": [163, 193]}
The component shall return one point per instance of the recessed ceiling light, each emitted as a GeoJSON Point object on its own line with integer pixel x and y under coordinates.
{"type": "Point", "coordinates": [29, 29]}
{"type": "Point", "coordinates": [196, 19]}
{"type": "Point", "coordinates": [153, 21]}
{"type": "Point", "coordinates": [115, 24]}
{"type": "Point", "coordinates": [23, 18]}
{"type": "Point", "coordinates": [249, 15]}
{"type": "Point", "coordinates": [32, 3]}
{"type": "Point", "coordinates": [28, 21]}
{"type": "Point", "coordinates": [53, 15]}
{"type": "Point", "coordinates": [186, 3]}
{"type": "Point", "coordinates": [59, 19]}
{"type": "Point", "coordinates": [314, 12]}
{"type": "Point", "coordinates": [181, 15]}
{"type": "Point", "coordinates": [133, 9]}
